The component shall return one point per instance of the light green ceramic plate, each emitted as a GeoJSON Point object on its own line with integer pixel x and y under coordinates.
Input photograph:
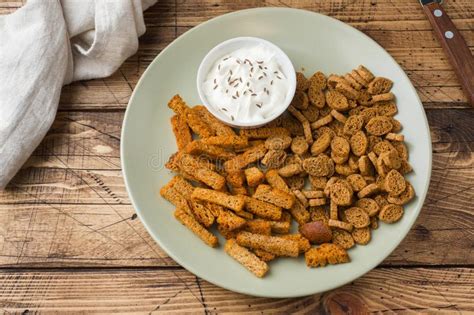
{"type": "Point", "coordinates": [312, 41]}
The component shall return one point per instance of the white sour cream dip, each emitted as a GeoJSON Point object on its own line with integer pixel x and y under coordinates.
{"type": "Point", "coordinates": [247, 85]}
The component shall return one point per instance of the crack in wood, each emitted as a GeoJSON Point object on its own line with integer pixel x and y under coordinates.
{"type": "Point", "coordinates": [166, 301]}
{"type": "Point", "coordinates": [203, 301]}
{"type": "Point", "coordinates": [93, 128]}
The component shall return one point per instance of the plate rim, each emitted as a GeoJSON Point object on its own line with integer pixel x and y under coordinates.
{"type": "Point", "coordinates": [189, 267]}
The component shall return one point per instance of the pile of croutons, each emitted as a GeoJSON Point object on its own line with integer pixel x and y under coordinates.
{"type": "Point", "coordinates": [334, 163]}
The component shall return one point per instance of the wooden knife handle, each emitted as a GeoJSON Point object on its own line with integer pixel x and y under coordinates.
{"type": "Point", "coordinates": [454, 46]}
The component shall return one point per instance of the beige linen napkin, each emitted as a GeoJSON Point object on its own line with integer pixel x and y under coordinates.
{"type": "Point", "coordinates": [49, 43]}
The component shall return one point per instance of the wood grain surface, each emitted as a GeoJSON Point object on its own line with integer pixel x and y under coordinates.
{"type": "Point", "coordinates": [70, 240]}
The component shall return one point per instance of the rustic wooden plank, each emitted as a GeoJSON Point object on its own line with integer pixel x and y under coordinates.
{"type": "Point", "coordinates": [177, 291]}
{"type": "Point", "coordinates": [61, 235]}
{"type": "Point", "coordinates": [81, 140]}
{"type": "Point", "coordinates": [195, 12]}
{"type": "Point", "coordinates": [65, 185]}
{"type": "Point", "coordinates": [10, 6]}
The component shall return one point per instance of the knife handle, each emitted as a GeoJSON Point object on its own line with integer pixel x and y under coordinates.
{"type": "Point", "coordinates": [454, 46]}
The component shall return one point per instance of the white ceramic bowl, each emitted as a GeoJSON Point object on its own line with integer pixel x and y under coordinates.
{"type": "Point", "coordinates": [229, 46]}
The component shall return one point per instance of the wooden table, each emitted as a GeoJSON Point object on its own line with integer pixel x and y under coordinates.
{"type": "Point", "coordinates": [71, 241]}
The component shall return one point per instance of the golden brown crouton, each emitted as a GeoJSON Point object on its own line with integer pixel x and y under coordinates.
{"type": "Point", "coordinates": [303, 242]}
{"type": "Point", "coordinates": [191, 165]}
{"type": "Point", "coordinates": [178, 105]}
{"type": "Point", "coordinates": [302, 82]}
{"type": "Point", "coordinates": [324, 254]}
{"type": "Point", "coordinates": [278, 142]}
{"type": "Point", "coordinates": [235, 203]}
{"type": "Point", "coordinates": [274, 158]}
{"type": "Point", "coordinates": [242, 160]}
{"type": "Point", "coordinates": [229, 221]}
{"type": "Point", "coordinates": [182, 186]}
{"type": "Point", "coordinates": [227, 141]}
{"type": "Point", "coordinates": [214, 152]}
{"type": "Point", "coordinates": [218, 127]}
{"type": "Point", "coordinates": [290, 170]}
{"type": "Point", "coordinates": [340, 225]}
{"type": "Point", "coordinates": [262, 209]}
{"type": "Point", "coordinates": [391, 213]}
{"type": "Point", "coordinates": [175, 197]}
{"type": "Point", "coordinates": [264, 132]}
{"type": "Point", "coordinates": [407, 195]}
{"type": "Point", "coordinates": [317, 202]}
{"type": "Point", "coordinates": [263, 255]}
{"type": "Point", "coordinates": [357, 217]}
{"type": "Point", "coordinates": [305, 123]}
{"type": "Point", "coordinates": [271, 244]}
{"type": "Point", "coordinates": [274, 196]}
{"type": "Point", "coordinates": [379, 85]}
{"type": "Point", "coordinates": [301, 197]}
{"type": "Point", "coordinates": [299, 212]}
{"type": "Point", "coordinates": [197, 124]}
{"type": "Point", "coordinates": [191, 223]}
{"type": "Point", "coordinates": [361, 236]}
{"type": "Point", "coordinates": [201, 213]}
{"type": "Point", "coordinates": [258, 226]}
{"type": "Point", "coordinates": [254, 176]}
{"type": "Point", "coordinates": [343, 238]}
{"type": "Point", "coordinates": [283, 225]}
{"type": "Point", "coordinates": [246, 258]}
{"type": "Point", "coordinates": [275, 180]}
{"type": "Point", "coordinates": [181, 131]}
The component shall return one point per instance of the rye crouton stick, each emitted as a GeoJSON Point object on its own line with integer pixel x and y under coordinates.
{"type": "Point", "coordinates": [219, 128]}
{"type": "Point", "coordinates": [181, 131]}
{"type": "Point", "coordinates": [246, 258]}
{"type": "Point", "coordinates": [178, 105]}
{"type": "Point", "coordinates": [197, 124]}
{"type": "Point", "coordinates": [229, 221]}
{"type": "Point", "coordinates": [202, 213]}
{"type": "Point", "coordinates": [190, 165]}
{"type": "Point", "coordinates": [271, 244]}
{"type": "Point", "coordinates": [303, 242]}
{"type": "Point", "coordinates": [176, 198]}
{"type": "Point", "coordinates": [264, 132]}
{"type": "Point", "coordinates": [214, 152]}
{"type": "Point", "coordinates": [258, 226]}
{"type": "Point", "coordinates": [191, 223]}
{"type": "Point", "coordinates": [242, 160]}
{"type": "Point", "coordinates": [283, 225]}
{"type": "Point", "coordinates": [274, 196]}
{"type": "Point", "coordinates": [276, 181]}
{"type": "Point", "coordinates": [182, 186]}
{"type": "Point", "coordinates": [262, 209]}
{"type": "Point", "coordinates": [235, 203]}
{"type": "Point", "coordinates": [227, 141]}
{"type": "Point", "coordinates": [263, 255]}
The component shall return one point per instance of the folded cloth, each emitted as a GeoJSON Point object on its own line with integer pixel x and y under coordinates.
{"type": "Point", "coordinates": [49, 43]}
